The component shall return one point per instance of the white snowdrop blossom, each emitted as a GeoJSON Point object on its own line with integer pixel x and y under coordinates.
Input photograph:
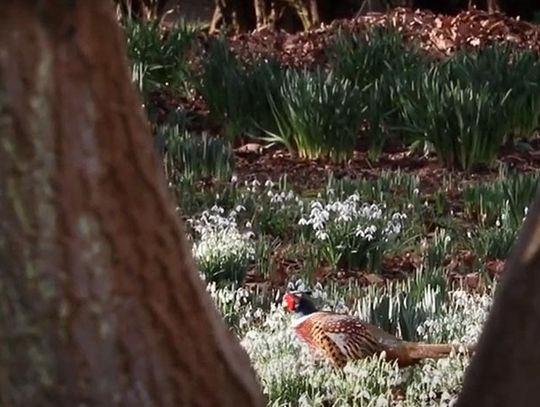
{"type": "Point", "coordinates": [221, 249]}
{"type": "Point", "coordinates": [252, 186]}
{"type": "Point", "coordinates": [462, 319]}
{"type": "Point", "coordinates": [350, 210]}
{"type": "Point", "coordinates": [349, 226]}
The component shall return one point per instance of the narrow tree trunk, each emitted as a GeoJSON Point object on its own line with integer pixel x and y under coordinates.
{"type": "Point", "coordinates": [100, 302]}
{"type": "Point", "coordinates": [142, 9]}
{"type": "Point", "coordinates": [314, 13]}
{"type": "Point", "coordinates": [261, 14]}
{"type": "Point", "coordinates": [267, 12]}
{"type": "Point", "coordinates": [302, 11]}
{"type": "Point", "coordinates": [217, 19]}
{"type": "Point", "coordinates": [493, 6]}
{"type": "Point", "coordinates": [235, 16]}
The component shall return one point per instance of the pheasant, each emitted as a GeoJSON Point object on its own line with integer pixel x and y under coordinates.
{"type": "Point", "coordinates": [342, 338]}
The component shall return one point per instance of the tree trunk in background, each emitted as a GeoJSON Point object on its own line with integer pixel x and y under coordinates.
{"type": "Point", "coordinates": [493, 6]}
{"type": "Point", "coordinates": [142, 9]}
{"type": "Point", "coordinates": [505, 369]}
{"type": "Point", "coordinates": [307, 11]}
{"type": "Point", "coordinates": [280, 14]}
{"type": "Point", "coordinates": [234, 16]}
{"type": "Point", "coordinates": [100, 302]}
{"type": "Point", "coordinates": [267, 12]}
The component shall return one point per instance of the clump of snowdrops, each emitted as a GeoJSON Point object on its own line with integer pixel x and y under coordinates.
{"type": "Point", "coordinates": [222, 250]}
{"type": "Point", "coordinates": [278, 209]}
{"type": "Point", "coordinates": [350, 233]}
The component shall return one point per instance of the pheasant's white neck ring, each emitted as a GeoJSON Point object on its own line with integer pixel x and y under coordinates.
{"type": "Point", "coordinates": [299, 319]}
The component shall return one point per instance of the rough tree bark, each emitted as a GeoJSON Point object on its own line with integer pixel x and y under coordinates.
{"type": "Point", "coordinates": [505, 369]}
{"type": "Point", "coordinates": [100, 303]}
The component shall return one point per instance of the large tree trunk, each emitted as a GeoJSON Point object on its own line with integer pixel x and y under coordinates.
{"type": "Point", "coordinates": [505, 369]}
{"type": "Point", "coordinates": [100, 302]}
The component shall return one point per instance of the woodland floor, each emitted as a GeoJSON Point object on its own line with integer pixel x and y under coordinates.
{"type": "Point", "coordinates": [440, 36]}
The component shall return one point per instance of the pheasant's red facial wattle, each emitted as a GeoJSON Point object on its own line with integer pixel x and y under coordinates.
{"type": "Point", "coordinates": [290, 302]}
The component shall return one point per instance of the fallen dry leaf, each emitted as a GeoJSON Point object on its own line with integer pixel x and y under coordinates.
{"type": "Point", "coordinates": [495, 267]}
{"type": "Point", "coordinates": [373, 278]}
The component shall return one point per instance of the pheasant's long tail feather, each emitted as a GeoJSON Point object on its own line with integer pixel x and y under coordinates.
{"type": "Point", "coordinates": [410, 353]}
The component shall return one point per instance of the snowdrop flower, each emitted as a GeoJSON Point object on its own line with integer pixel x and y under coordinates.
{"type": "Point", "coordinates": [319, 234]}
{"type": "Point", "coordinates": [239, 208]}
{"type": "Point", "coordinates": [348, 224]}
{"type": "Point", "coordinates": [220, 245]}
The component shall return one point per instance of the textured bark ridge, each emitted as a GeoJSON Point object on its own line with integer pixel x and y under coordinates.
{"type": "Point", "coordinates": [100, 303]}
{"type": "Point", "coordinates": [505, 371]}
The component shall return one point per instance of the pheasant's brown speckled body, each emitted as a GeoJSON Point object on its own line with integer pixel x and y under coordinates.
{"type": "Point", "coordinates": [341, 338]}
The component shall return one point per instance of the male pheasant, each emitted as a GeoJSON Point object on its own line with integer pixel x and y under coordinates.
{"type": "Point", "coordinates": [342, 338]}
